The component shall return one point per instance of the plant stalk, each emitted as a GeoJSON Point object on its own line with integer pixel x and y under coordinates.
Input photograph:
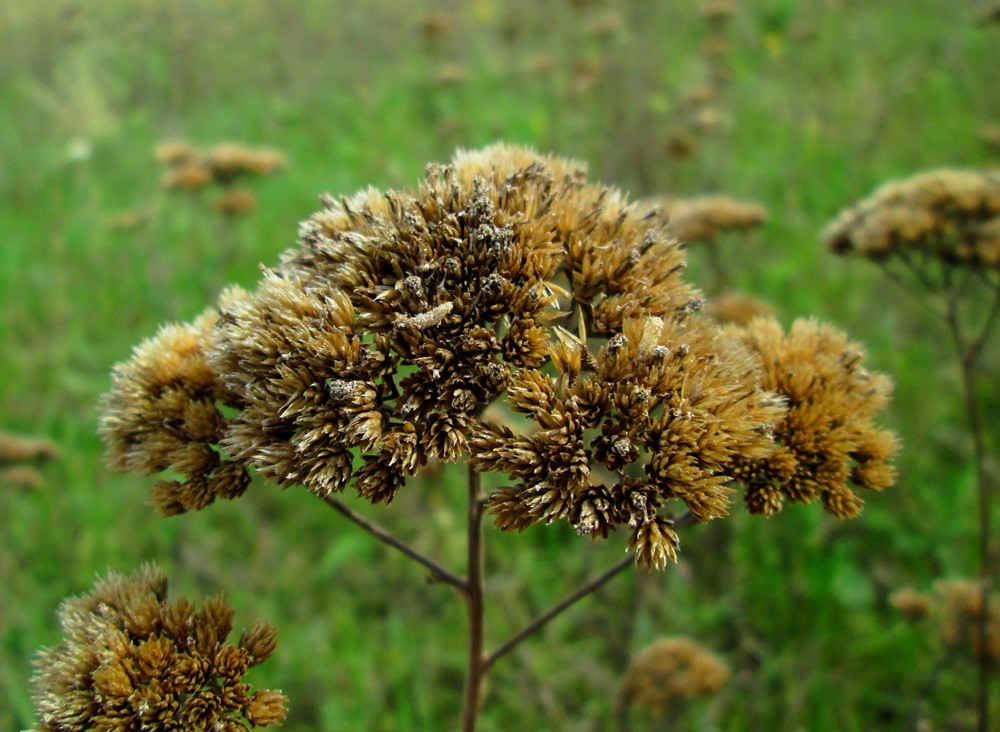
{"type": "Point", "coordinates": [474, 597]}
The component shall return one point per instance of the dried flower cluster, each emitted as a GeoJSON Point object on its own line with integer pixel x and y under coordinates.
{"type": "Point", "coordinates": [190, 169]}
{"type": "Point", "coordinates": [951, 216]}
{"type": "Point", "coordinates": [704, 218]}
{"type": "Point", "coordinates": [378, 343]}
{"type": "Point", "coordinates": [827, 441]}
{"type": "Point", "coordinates": [737, 309]}
{"type": "Point", "coordinates": [18, 455]}
{"type": "Point", "coordinates": [958, 607]}
{"type": "Point", "coordinates": [671, 671]}
{"type": "Point", "coordinates": [134, 660]}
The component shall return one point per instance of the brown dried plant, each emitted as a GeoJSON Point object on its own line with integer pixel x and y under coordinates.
{"type": "Point", "coordinates": [669, 673]}
{"type": "Point", "coordinates": [377, 345]}
{"type": "Point", "coordinates": [938, 235]}
{"type": "Point", "coordinates": [701, 221]}
{"type": "Point", "coordinates": [131, 659]}
{"type": "Point", "coordinates": [18, 457]}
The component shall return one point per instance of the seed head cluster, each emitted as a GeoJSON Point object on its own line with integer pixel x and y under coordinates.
{"type": "Point", "coordinates": [133, 660]}
{"type": "Point", "coordinates": [403, 323]}
{"type": "Point", "coordinates": [704, 218]}
{"type": "Point", "coordinates": [669, 672]}
{"type": "Point", "coordinates": [952, 216]}
{"type": "Point", "coordinates": [827, 443]}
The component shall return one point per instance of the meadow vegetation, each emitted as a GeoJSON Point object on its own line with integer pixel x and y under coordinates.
{"type": "Point", "coordinates": [801, 107]}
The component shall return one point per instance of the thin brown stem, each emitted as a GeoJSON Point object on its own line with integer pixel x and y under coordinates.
{"type": "Point", "coordinates": [589, 588]}
{"type": "Point", "coordinates": [438, 573]}
{"type": "Point", "coordinates": [968, 363]}
{"type": "Point", "coordinates": [474, 595]}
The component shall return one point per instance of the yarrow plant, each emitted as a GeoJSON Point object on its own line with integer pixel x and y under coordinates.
{"type": "Point", "coordinates": [132, 659]}
{"type": "Point", "coordinates": [937, 234]}
{"type": "Point", "coordinates": [407, 327]}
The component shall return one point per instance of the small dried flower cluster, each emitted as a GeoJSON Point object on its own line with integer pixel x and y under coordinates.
{"type": "Point", "coordinates": [378, 344]}
{"type": "Point", "coordinates": [827, 441]}
{"type": "Point", "coordinates": [190, 168]}
{"type": "Point", "coordinates": [132, 659]}
{"type": "Point", "coordinates": [737, 309]}
{"type": "Point", "coordinates": [702, 219]}
{"type": "Point", "coordinates": [952, 216]}
{"type": "Point", "coordinates": [958, 606]}
{"type": "Point", "coordinates": [671, 671]}
{"type": "Point", "coordinates": [17, 456]}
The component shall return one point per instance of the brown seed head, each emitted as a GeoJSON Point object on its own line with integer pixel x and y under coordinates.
{"type": "Point", "coordinates": [948, 215]}
{"type": "Point", "coordinates": [669, 672]}
{"type": "Point", "coordinates": [133, 659]}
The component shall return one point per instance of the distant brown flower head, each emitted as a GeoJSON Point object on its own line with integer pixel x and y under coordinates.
{"type": "Point", "coordinates": [229, 161]}
{"type": "Point", "coordinates": [132, 659]}
{"type": "Point", "coordinates": [175, 152]}
{"type": "Point", "coordinates": [911, 604]}
{"type": "Point", "coordinates": [990, 135]}
{"type": "Point", "coordinates": [377, 345]}
{"type": "Point", "coordinates": [948, 215]}
{"type": "Point", "coordinates": [828, 443]}
{"type": "Point", "coordinates": [20, 449]}
{"type": "Point", "coordinates": [672, 671]}
{"type": "Point", "coordinates": [703, 219]}
{"type": "Point", "coordinates": [236, 202]}
{"type": "Point", "coordinates": [736, 308]}
{"type": "Point", "coordinates": [163, 413]}
{"type": "Point", "coordinates": [188, 176]}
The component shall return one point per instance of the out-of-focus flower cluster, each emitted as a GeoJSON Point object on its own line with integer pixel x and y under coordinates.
{"type": "Point", "coordinates": [670, 672]}
{"type": "Point", "coordinates": [19, 455]}
{"type": "Point", "coordinates": [702, 219]}
{"type": "Point", "coordinates": [958, 606]}
{"type": "Point", "coordinates": [131, 659]}
{"type": "Point", "coordinates": [378, 343]}
{"type": "Point", "coordinates": [952, 216]}
{"type": "Point", "coordinates": [190, 168]}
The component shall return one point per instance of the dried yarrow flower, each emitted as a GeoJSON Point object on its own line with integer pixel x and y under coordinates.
{"type": "Point", "coordinates": [164, 413]}
{"type": "Point", "coordinates": [703, 219]}
{"type": "Point", "coordinates": [671, 671]}
{"type": "Point", "coordinates": [131, 659]}
{"type": "Point", "coordinates": [946, 215]}
{"type": "Point", "coordinates": [190, 168]}
{"type": "Point", "coordinates": [737, 309]}
{"type": "Point", "coordinates": [912, 605]}
{"type": "Point", "coordinates": [827, 442]}
{"type": "Point", "coordinates": [377, 345]}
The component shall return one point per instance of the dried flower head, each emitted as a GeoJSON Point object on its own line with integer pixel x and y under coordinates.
{"type": "Point", "coordinates": [131, 659]}
{"type": "Point", "coordinates": [229, 161]}
{"type": "Point", "coordinates": [163, 413]}
{"type": "Point", "coordinates": [175, 152]}
{"type": "Point", "coordinates": [947, 215]}
{"type": "Point", "coordinates": [189, 176]}
{"type": "Point", "coordinates": [912, 605]}
{"type": "Point", "coordinates": [377, 345]}
{"type": "Point", "coordinates": [671, 671]}
{"type": "Point", "coordinates": [236, 202]}
{"type": "Point", "coordinates": [827, 443]}
{"type": "Point", "coordinates": [703, 219]}
{"type": "Point", "coordinates": [19, 449]}
{"type": "Point", "coordinates": [737, 309]}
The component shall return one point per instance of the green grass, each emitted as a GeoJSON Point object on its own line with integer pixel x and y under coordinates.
{"type": "Point", "coordinates": [826, 100]}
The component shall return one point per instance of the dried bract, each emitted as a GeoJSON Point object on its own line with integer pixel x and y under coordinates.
{"type": "Point", "coordinates": [132, 659]}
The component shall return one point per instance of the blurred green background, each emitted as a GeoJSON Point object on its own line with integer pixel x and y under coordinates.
{"type": "Point", "coordinates": [804, 106]}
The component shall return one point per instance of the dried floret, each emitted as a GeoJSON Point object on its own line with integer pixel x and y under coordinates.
{"type": "Point", "coordinates": [132, 659]}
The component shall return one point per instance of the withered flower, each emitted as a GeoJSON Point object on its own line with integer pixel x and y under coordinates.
{"type": "Point", "coordinates": [236, 202]}
{"type": "Point", "coordinates": [702, 219]}
{"type": "Point", "coordinates": [737, 309]}
{"type": "Point", "coordinates": [163, 413]}
{"type": "Point", "coordinates": [827, 443]}
{"type": "Point", "coordinates": [912, 605]}
{"type": "Point", "coordinates": [189, 176]}
{"type": "Point", "coordinates": [378, 344]}
{"type": "Point", "coordinates": [17, 454]}
{"type": "Point", "coordinates": [671, 671]}
{"type": "Point", "coordinates": [229, 161]}
{"type": "Point", "coordinates": [131, 659]}
{"type": "Point", "coordinates": [945, 215]}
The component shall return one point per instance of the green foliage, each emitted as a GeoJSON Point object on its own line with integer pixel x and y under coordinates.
{"type": "Point", "coordinates": [825, 101]}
